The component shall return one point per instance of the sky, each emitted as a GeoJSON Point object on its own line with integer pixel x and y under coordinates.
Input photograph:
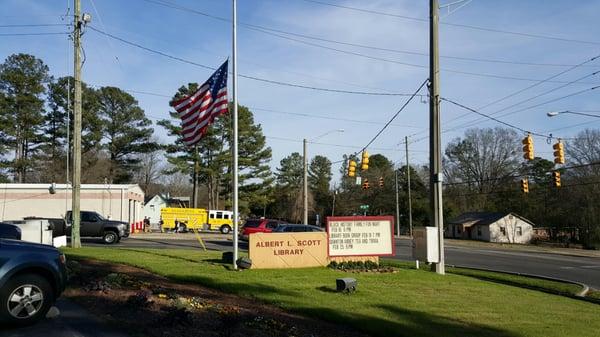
{"type": "Point", "coordinates": [496, 73]}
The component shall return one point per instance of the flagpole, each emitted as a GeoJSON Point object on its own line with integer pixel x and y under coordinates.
{"type": "Point", "coordinates": [235, 139]}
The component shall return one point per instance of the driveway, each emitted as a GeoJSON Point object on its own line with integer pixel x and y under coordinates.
{"type": "Point", "coordinates": [73, 321]}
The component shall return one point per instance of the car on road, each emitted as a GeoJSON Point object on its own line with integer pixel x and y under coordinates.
{"type": "Point", "coordinates": [9, 231]}
{"type": "Point", "coordinates": [258, 226]}
{"type": "Point", "coordinates": [287, 228]}
{"type": "Point", "coordinates": [32, 277]}
{"type": "Point", "coordinates": [95, 225]}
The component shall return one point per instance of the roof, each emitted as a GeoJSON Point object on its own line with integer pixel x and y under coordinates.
{"type": "Point", "coordinates": [482, 218]}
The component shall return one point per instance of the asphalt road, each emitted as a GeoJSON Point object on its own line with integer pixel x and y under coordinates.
{"type": "Point", "coordinates": [572, 268]}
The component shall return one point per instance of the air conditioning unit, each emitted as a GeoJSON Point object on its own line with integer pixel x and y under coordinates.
{"type": "Point", "coordinates": [425, 244]}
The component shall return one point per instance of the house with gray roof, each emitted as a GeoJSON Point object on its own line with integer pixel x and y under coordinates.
{"type": "Point", "coordinates": [490, 227]}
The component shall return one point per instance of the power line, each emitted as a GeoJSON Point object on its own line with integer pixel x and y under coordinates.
{"type": "Point", "coordinates": [486, 29]}
{"type": "Point", "coordinates": [34, 34]}
{"type": "Point", "coordinates": [263, 28]}
{"type": "Point", "coordinates": [331, 118]}
{"type": "Point", "coordinates": [535, 85]}
{"type": "Point", "coordinates": [34, 25]}
{"type": "Point", "coordinates": [467, 124]}
{"type": "Point", "coordinates": [409, 64]}
{"type": "Point", "coordinates": [394, 117]}
{"type": "Point", "coordinates": [521, 175]}
{"type": "Point", "coordinates": [288, 84]}
{"type": "Point", "coordinates": [273, 32]}
{"type": "Point", "coordinates": [495, 119]}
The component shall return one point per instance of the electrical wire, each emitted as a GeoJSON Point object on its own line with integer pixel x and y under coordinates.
{"type": "Point", "coordinates": [486, 29]}
{"type": "Point", "coordinates": [522, 175]}
{"type": "Point", "coordinates": [475, 122]}
{"type": "Point", "coordinates": [34, 34]}
{"type": "Point", "coordinates": [273, 32]}
{"type": "Point", "coordinates": [255, 78]}
{"type": "Point", "coordinates": [496, 120]}
{"type": "Point", "coordinates": [34, 25]}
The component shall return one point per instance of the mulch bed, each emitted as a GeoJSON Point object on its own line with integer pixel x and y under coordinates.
{"type": "Point", "coordinates": [143, 304]}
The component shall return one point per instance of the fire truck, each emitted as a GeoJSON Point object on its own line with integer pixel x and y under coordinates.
{"type": "Point", "coordinates": [184, 219]}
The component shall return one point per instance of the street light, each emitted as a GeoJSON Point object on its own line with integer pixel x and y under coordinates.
{"type": "Point", "coordinates": [305, 179]}
{"type": "Point", "coordinates": [556, 113]}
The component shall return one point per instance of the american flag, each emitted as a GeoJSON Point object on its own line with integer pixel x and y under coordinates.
{"type": "Point", "coordinates": [200, 109]}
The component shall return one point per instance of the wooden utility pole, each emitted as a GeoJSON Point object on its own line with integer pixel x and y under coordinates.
{"type": "Point", "coordinates": [75, 214]}
{"type": "Point", "coordinates": [435, 153]}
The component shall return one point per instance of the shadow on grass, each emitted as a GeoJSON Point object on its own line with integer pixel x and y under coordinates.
{"type": "Point", "coordinates": [407, 323]}
{"type": "Point", "coordinates": [326, 289]}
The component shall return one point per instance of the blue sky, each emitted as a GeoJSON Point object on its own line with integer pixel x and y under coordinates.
{"type": "Point", "coordinates": [208, 41]}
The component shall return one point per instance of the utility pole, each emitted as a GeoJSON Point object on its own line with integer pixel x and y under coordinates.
{"type": "Point", "coordinates": [410, 224]}
{"type": "Point", "coordinates": [333, 205]}
{"type": "Point", "coordinates": [397, 207]}
{"type": "Point", "coordinates": [435, 153]}
{"type": "Point", "coordinates": [75, 214]}
{"type": "Point", "coordinates": [305, 185]}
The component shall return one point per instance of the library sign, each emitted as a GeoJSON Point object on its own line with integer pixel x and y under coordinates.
{"type": "Point", "coordinates": [347, 238]}
{"type": "Point", "coordinates": [360, 236]}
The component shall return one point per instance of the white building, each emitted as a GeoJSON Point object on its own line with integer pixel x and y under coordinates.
{"type": "Point", "coordinates": [490, 227]}
{"type": "Point", "coordinates": [152, 207]}
{"type": "Point", "coordinates": [117, 202]}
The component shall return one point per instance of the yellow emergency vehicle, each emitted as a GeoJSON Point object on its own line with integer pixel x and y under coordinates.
{"type": "Point", "coordinates": [182, 219]}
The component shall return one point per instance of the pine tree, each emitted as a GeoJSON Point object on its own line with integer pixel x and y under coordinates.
{"type": "Point", "coordinates": [56, 128]}
{"type": "Point", "coordinates": [127, 131]}
{"type": "Point", "coordinates": [319, 179]}
{"type": "Point", "coordinates": [23, 79]}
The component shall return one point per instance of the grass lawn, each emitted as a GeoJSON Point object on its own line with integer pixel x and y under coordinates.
{"type": "Point", "coordinates": [407, 303]}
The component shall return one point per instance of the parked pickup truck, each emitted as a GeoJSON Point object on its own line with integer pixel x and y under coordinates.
{"type": "Point", "coordinates": [95, 225]}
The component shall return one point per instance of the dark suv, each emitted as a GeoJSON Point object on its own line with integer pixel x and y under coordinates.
{"type": "Point", "coordinates": [32, 277]}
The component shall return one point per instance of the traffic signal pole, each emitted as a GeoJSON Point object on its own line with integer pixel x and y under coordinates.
{"type": "Point", "coordinates": [435, 153]}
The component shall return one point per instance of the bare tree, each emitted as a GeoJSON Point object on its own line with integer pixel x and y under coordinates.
{"type": "Point", "coordinates": [483, 157]}
{"type": "Point", "coordinates": [584, 149]}
{"type": "Point", "coordinates": [150, 169]}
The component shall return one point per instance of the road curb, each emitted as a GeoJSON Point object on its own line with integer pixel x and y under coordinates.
{"type": "Point", "coordinates": [580, 295]}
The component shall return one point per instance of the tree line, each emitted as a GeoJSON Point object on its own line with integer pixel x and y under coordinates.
{"type": "Point", "coordinates": [482, 168]}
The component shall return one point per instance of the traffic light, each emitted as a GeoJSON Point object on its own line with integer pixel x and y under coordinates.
{"type": "Point", "coordinates": [364, 165]}
{"type": "Point", "coordinates": [366, 184]}
{"type": "Point", "coordinates": [559, 152]}
{"type": "Point", "coordinates": [556, 178]}
{"type": "Point", "coordinates": [528, 147]}
{"type": "Point", "coordinates": [351, 168]}
{"type": "Point", "coordinates": [381, 182]}
{"type": "Point", "coordinates": [524, 185]}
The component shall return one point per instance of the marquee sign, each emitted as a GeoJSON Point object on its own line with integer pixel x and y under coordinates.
{"type": "Point", "coordinates": [360, 236]}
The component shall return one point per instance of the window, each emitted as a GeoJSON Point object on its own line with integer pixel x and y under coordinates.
{"type": "Point", "coordinates": [89, 217]}
{"type": "Point", "coordinates": [519, 231]}
{"type": "Point", "coordinates": [272, 224]}
{"type": "Point", "coordinates": [458, 229]}
{"type": "Point", "coordinates": [478, 230]}
{"type": "Point", "coordinates": [211, 215]}
{"type": "Point", "coordinates": [503, 230]}
{"type": "Point", "coordinates": [252, 223]}
{"type": "Point", "coordinates": [219, 215]}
